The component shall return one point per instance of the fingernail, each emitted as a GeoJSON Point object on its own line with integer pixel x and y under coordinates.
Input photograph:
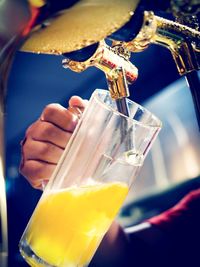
{"type": "Point", "coordinates": [76, 111]}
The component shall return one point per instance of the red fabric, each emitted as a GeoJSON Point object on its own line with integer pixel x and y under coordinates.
{"type": "Point", "coordinates": [185, 214]}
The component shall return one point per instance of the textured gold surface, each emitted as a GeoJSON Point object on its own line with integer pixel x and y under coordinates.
{"type": "Point", "coordinates": [147, 32]}
{"type": "Point", "coordinates": [182, 41]}
{"type": "Point", "coordinates": [85, 23]}
{"type": "Point", "coordinates": [118, 69]}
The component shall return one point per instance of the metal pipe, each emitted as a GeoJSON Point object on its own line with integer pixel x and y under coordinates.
{"type": "Point", "coordinates": [194, 85]}
{"type": "Point", "coordinates": [122, 106]}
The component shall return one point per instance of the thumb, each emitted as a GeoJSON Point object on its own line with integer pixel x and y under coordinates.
{"type": "Point", "coordinates": [77, 101]}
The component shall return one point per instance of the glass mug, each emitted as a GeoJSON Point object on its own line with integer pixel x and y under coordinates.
{"type": "Point", "coordinates": [89, 184]}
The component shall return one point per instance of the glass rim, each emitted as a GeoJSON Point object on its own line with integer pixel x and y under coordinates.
{"type": "Point", "coordinates": [146, 125]}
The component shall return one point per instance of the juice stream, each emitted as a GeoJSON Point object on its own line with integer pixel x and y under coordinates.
{"type": "Point", "coordinates": [68, 225]}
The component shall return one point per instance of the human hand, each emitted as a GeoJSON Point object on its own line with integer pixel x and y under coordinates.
{"type": "Point", "coordinates": [46, 139]}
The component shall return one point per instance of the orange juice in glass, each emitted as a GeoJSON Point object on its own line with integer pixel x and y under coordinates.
{"type": "Point", "coordinates": [89, 184]}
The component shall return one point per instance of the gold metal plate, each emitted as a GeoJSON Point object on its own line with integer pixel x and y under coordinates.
{"type": "Point", "coordinates": [85, 23]}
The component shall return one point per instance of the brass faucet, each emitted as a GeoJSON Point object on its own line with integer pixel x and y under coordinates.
{"type": "Point", "coordinates": [114, 62]}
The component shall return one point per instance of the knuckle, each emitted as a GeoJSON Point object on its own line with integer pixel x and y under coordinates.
{"type": "Point", "coordinates": [35, 185]}
{"type": "Point", "coordinates": [29, 130]}
{"type": "Point", "coordinates": [26, 147]}
{"type": "Point", "coordinates": [50, 110]}
{"type": "Point", "coordinates": [44, 149]}
{"type": "Point", "coordinates": [31, 170]}
{"type": "Point", "coordinates": [33, 129]}
{"type": "Point", "coordinates": [35, 172]}
{"type": "Point", "coordinates": [47, 131]}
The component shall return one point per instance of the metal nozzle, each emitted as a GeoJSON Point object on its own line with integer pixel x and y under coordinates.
{"type": "Point", "coordinates": [114, 63]}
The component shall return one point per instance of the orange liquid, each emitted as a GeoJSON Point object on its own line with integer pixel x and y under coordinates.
{"type": "Point", "coordinates": [68, 225]}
